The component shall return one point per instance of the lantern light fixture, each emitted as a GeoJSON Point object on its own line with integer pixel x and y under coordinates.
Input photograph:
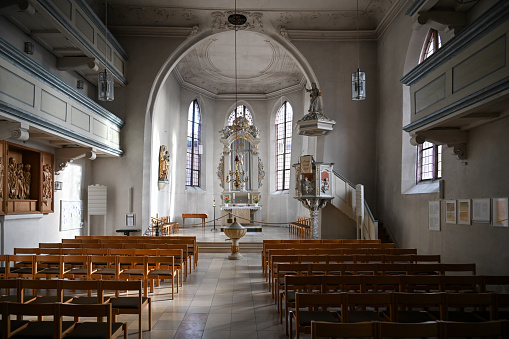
{"type": "Point", "coordinates": [106, 83]}
{"type": "Point", "coordinates": [358, 77]}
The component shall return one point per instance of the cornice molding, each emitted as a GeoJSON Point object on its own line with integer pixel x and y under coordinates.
{"type": "Point", "coordinates": [12, 55]}
{"type": "Point", "coordinates": [208, 94]}
{"type": "Point", "coordinates": [300, 34]}
{"type": "Point", "coordinates": [487, 22]}
{"type": "Point", "coordinates": [152, 31]}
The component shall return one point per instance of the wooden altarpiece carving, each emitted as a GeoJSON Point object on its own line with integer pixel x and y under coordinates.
{"type": "Point", "coordinates": [26, 180]}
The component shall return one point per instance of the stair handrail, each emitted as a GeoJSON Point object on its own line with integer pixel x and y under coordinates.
{"type": "Point", "coordinates": [370, 224]}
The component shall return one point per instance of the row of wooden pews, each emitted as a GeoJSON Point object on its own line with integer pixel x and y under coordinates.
{"type": "Point", "coordinates": [163, 226]}
{"type": "Point", "coordinates": [111, 263]}
{"type": "Point", "coordinates": [301, 227]}
{"type": "Point", "coordinates": [343, 282]}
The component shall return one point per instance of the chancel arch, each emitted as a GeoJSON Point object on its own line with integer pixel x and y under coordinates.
{"type": "Point", "coordinates": [216, 100]}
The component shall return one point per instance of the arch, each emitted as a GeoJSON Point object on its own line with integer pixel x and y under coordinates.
{"type": "Point", "coordinates": [168, 67]}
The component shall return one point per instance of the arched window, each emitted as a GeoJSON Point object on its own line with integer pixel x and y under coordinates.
{"type": "Point", "coordinates": [429, 155]}
{"type": "Point", "coordinates": [431, 44]}
{"type": "Point", "coordinates": [242, 111]}
{"type": "Point", "coordinates": [193, 162]}
{"type": "Point", "coordinates": [283, 146]}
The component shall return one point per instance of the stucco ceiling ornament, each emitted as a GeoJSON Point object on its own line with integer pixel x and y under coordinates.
{"type": "Point", "coordinates": [220, 22]}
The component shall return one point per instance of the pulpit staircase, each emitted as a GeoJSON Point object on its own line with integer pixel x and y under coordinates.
{"type": "Point", "coordinates": [349, 199]}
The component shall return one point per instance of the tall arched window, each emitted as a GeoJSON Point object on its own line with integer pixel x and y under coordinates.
{"type": "Point", "coordinates": [242, 111]}
{"type": "Point", "coordinates": [283, 146]}
{"type": "Point", "coordinates": [429, 155]}
{"type": "Point", "coordinates": [193, 162]}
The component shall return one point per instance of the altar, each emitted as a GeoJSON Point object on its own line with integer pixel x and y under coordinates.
{"type": "Point", "coordinates": [245, 214]}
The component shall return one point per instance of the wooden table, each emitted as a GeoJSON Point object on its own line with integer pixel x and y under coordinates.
{"type": "Point", "coordinates": [201, 216]}
{"type": "Point", "coordinates": [128, 231]}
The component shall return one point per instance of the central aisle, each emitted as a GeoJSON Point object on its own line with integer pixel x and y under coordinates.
{"type": "Point", "coordinates": [221, 299]}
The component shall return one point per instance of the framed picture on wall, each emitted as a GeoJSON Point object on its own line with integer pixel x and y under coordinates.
{"type": "Point", "coordinates": [450, 211]}
{"type": "Point", "coordinates": [434, 215]}
{"type": "Point", "coordinates": [499, 212]}
{"type": "Point", "coordinates": [464, 211]}
{"type": "Point", "coordinates": [481, 210]}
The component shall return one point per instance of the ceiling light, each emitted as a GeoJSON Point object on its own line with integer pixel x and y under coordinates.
{"type": "Point", "coordinates": [358, 77]}
{"type": "Point", "coordinates": [105, 83]}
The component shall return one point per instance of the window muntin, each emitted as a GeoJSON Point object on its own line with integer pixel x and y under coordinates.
{"type": "Point", "coordinates": [284, 118]}
{"type": "Point", "coordinates": [193, 161]}
{"type": "Point", "coordinates": [242, 111]}
{"type": "Point", "coordinates": [429, 161]}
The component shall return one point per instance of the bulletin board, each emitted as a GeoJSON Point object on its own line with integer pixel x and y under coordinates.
{"type": "Point", "coordinates": [71, 215]}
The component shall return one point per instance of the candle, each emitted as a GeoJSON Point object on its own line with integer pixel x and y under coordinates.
{"type": "Point", "coordinates": [233, 195]}
{"type": "Point", "coordinates": [248, 196]}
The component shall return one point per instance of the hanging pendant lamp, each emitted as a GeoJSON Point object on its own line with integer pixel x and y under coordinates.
{"type": "Point", "coordinates": [105, 81]}
{"type": "Point", "coordinates": [358, 77]}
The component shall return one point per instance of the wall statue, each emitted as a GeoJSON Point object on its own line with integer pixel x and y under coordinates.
{"type": "Point", "coordinates": [47, 184]}
{"type": "Point", "coordinates": [19, 179]}
{"type": "Point", "coordinates": [164, 163]}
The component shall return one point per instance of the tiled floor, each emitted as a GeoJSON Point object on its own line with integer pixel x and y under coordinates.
{"type": "Point", "coordinates": [221, 299]}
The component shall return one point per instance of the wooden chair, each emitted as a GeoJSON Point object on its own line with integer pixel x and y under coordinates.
{"type": "Point", "coordinates": [317, 304]}
{"type": "Point", "coordinates": [431, 329]}
{"type": "Point", "coordinates": [164, 270]}
{"type": "Point", "coordinates": [354, 307]}
{"type": "Point", "coordinates": [133, 268]}
{"type": "Point", "coordinates": [40, 289]}
{"type": "Point", "coordinates": [421, 283]}
{"type": "Point", "coordinates": [321, 329]}
{"type": "Point", "coordinates": [292, 285]}
{"type": "Point", "coordinates": [417, 307]}
{"type": "Point", "coordinates": [4, 263]}
{"type": "Point", "coordinates": [51, 266]}
{"type": "Point", "coordinates": [459, 268]}
{"type": "Point", "coordinates": [495, 283]}
{"type": "Point", "coordinates": [381, 283]}
{"type": "Point", "coordinates": [10, 326]}
{"type": "Point", "coordinates": [34, 329]}
{"type": "Point", "coordinates": [487, 329]}
{"type": "Point", "coordinates": [77, 267]}
{"type": "Point", "coordinates": [104, 267]}
{"type": "Point", "coordinates": [127, 304]}
{"type": "Point", "coordinates": [461, 283]}
{"type": "Point", "coordinates": [10, 290]}
{"type": "Point", "coordinates": [179, 261]}
{"type": "Point", "coordinates": [89, 286]}
{"type": "Point", "coordinates": [342, 283]}
{"type": "Point", "coordinates": [463, 306]}
{"type": "Point", "coordinates": [15, 270]}
{"type": "Point", "coordinates": [89, 329]}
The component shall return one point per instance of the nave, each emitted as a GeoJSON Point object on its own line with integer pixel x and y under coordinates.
{"type": "Point", "coordinates": [221, 299]}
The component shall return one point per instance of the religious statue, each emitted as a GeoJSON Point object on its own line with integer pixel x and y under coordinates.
{"type": "Point", "coordinates": [11, 178]}
{"type": "Point", "coordinates": [47, 184]}
{"type": "Point", "coordinates": [164, 163]}
{"type": "Point", "coordinates": [27, 180]}
{"type": "Point", "coordinates": [314, 93]}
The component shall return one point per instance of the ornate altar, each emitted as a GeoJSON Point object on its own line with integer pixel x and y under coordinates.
{"type": "Point", "coordinates": [240, 170]}
{"type": "Point", "coordinates": [313, 187]}
{"type": "Point", "coordinates": [26, 180]}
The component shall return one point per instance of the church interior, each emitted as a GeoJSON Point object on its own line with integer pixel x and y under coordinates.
{"type": "Point", "coordinates": [241, 123]}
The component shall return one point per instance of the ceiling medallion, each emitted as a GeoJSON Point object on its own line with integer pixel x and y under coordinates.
{"type": "Point", "coordinates": [237, 19]}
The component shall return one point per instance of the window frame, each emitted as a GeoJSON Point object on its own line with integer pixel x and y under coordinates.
{"type": "Point", "coordinates": [432, 37]}
{"type": "Point", "coordinates": [436, 162]}
{"type": "Point", "coordinates": [190, 178]}
{"type": "Point", "coordinates": [285, 184]}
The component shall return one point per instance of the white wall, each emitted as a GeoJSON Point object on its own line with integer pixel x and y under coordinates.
{"type": "Point", "coordinates": [483, 174]}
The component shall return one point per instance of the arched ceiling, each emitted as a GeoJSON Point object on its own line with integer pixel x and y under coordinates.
{"type": "Point", "coordinates": [263, 67]}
